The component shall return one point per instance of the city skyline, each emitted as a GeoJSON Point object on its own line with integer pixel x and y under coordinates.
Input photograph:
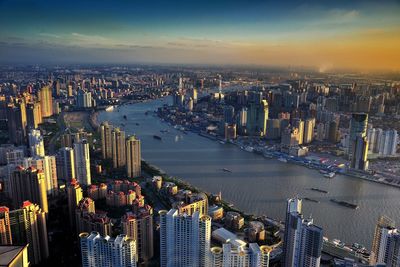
{"type": "Point", "coordinates": [358, 35]}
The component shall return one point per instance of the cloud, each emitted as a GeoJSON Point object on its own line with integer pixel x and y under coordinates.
{"type": "Point", "coordinates": [88, 38]}
{"type": "Point", "coordinates": [52, 35]}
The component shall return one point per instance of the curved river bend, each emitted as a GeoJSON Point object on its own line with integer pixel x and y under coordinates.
{"type": "Point", "coordinates": [258, 185]}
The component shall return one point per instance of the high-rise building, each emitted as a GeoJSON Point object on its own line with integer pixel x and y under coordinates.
{"type": "Point", "coordinates": [229, 114]}
{"type": "Point", "coordinates": [133, 157]}
{"type": "Point", "coordinates": [386, 243]}
{"type": "Point", "coordinates": [106, 140]}
{"type": "Point", "coordinates": [28, 226]}
{"type": "Point", "coordinates": [257, 117]}
{"type": "Point", "coordinates": [84, 99]}
{"type": "Point", "coordinates": [29, 184]}
{"type": "Point", "coordinates": [46, 101]}
{"type": "Point", "coordinates": [194, 95]}
{"type": "Point", "coordinates": [333, 133]}
{"type": "Point", "coordinates": [358, 126]}
{"type": "Point", "coordinates": [82, 162]}
{"type": "Point", "coordinates": [33, 115]}
{"type": "Point", "coordinates": [47, 165]}
{"type": "Point", "coordinates": [139, 226]}
{"type": "Point", "coordinates": [309, 131]}
{"type": "Point", "coordinates": [65, 159]}
{"type": "Point", "coordinates": [243, 117]}
{"type": "Point", "coordinates": [388, 143]}
{"type": "Point", "coordinates": [104, 251]}
{"type": "Point", "coordinates": [273, 129]}
{"type": "Point", "coordinates": [118, 148]}
{"type": "Point", "coordinates": [360, 152]}
{"type": "Point", "coordinates": [184, 239]}
{"type": "Point", "coordinates": [320, 136]}
{"type": "Point", "coordinates": [36, 143]}
{"type": "Point", "coordinates": [75, 195]}
{"type": "Point", "coordinates": [302, 239]}
{"type": "Point", "coordinates": [5, 230]}
{"type": "Point", "coordinates": [16, 122]}
{"type": "Point", "coordinates": [299, 124]}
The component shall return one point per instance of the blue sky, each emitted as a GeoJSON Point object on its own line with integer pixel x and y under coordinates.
{"type": "Point", "coordinates": [215, 32]}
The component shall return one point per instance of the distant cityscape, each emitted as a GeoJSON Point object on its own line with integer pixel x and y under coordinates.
{"type": "Point", "coordinates": [75, 191]}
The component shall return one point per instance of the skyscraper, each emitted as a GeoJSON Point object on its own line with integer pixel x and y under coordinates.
{"type": "Point", "coordinates": [309, 131]}
{"type": "Point", "coordinates": [5, 230]}
{"type": "Point", "coordinates": [47, 165]}
{"type": "Point", "coordinates": [388, 143]}
{"type": "Point", "coordinates": [16, 122]}
{"type": "Point", "coordinates": [75, 195]}
{"type": "Point", "coordinates": [133, 157]}
{"type": "Point", "coordinates": [106, 140]}
{"type": "Point", "coordinates": [385, 232]}
{"type": "Point", "coordinates": [358, 126]}
{"type": "Point", "coordinates": [46, 101]}
{"type": "Point", "coordinates": [36, 144]}
{"type": "Point", "coordinates": [302, 239]}
{"type": "Point", "coordinates": [29, 184]}
{"type": "Point", "coordinates": [257, 117]}
{"type": "Point", "coordinates": [84, 99]}
{"type": "Point", "coordinates": [299, 124]}
{"type": "Point", "coordinates": [65, 159]}
{"type": "Point", "coordinates": [82, 162]}
{"type": "Point", "coordinates": [139, 226]}
{"type": "Point", "coordinates": [118, 148]}
{"type": "Point", "coordinates": [28, 225]}
{"type": "Point", "coordinates": [229, 114]}
{"type": "Point", "coordinates": [104, 251]}
{"type": "Point", "coordinates": [33, 115]}
{"type": "Point", "coordinates": [359, 154]}
{"type": "Point", "coordinates": [184, 239]}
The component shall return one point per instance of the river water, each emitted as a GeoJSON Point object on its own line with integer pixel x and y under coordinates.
{"type": "Point", "coordinates": [258, 185]}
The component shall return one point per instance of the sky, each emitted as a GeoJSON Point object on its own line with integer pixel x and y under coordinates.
{"type": "Point", "coordinates": [359, 35]}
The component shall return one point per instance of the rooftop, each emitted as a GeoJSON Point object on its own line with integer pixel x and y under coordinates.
{"type": "Point", "coordinates": [9, 253]}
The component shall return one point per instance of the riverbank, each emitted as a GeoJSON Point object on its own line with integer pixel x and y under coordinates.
{"type": "Point", "coordinates": [273, 153]}
{"type": "Point", "coordinates": [332, 247]}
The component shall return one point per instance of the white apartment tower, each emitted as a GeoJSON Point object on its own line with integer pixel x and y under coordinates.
{"type": "Point", "coordinates": [36, 144]}
{"type": "Point", "coordinates": [82, 162]}
{"type": "Point", "coordinates": [302, 240]}
{"type": "Point", "coordinates": [184, 239]}
{"type": "Point", "coordinates": [98, 251]}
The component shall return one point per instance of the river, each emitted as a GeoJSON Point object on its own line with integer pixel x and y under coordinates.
{"type": "Point", "coordinates": [258, 185]}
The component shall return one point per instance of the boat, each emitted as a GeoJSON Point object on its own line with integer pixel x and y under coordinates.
{"type": "Point", "coordinates": [125, 117]}
{"type": "Point", "coordinates": [157, 137]}
{"type": "Point", "coordinates": [249, 149]}
{"type": "Point", "coordinates": [137, 124]}
{"type": "Point", "coordinates": [329, 175]}
{"type": "Point", "coordinates": [226, 170]}
{"type": "Point", "coordinates": [109, 108]}
{"type": "Point", "coordinates": [282, 159]}
{"type": "Point", "coordinates": [222, 142]}
{"type": "Point", "coordinates": [344, 203]}
{"type": "Point", "coordinates": [311, 200]}
{"type": "Point", "coordinates": [319, 190]}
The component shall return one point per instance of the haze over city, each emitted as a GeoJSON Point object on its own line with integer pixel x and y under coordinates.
{"type": "Point", "coordinates": [357, 35]}
{"type": "Point", "coordinates": [199, 133]}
